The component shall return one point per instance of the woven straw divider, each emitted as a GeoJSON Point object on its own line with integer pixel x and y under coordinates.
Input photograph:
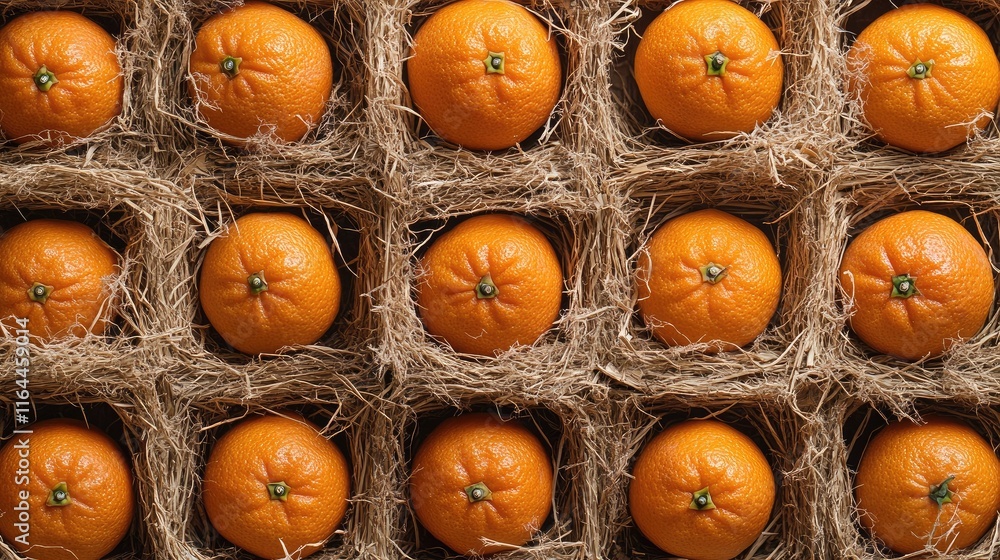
{"type": "Point", "coordinates": [126, 143]}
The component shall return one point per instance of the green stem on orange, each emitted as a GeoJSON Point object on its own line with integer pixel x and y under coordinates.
{"type": "Point", "coordinates": [59, 496]}
{"type": "Point", "coordinates": [904, 286]}
{"type": "Point", "coordinates": [230, 66]}
{"type": "Point", "coordinates": [940, 493]}
{"type": "Point", "coordinates": [39, 292]}
{"type": "Point", "coordinates": [44, 80]}
{"type": "Point", "coordinates": [713, 273]}
{"type": "Point", "coordinates": [920, 70]}
{"type": "Point", "coordinates": [494, 62]}
{"type": "Point", "coordinates": [715, 64]}
{"type": "Point", "coordinates": [486, 289]}
{"type": "Point", "coordinates": [478, 492]}
{"type": "Point", "coordinates": [278, 491]}
{"type": "Point", "coordinates": [701, 500]}
{"type": "Point", "coordinates": [257, 283]}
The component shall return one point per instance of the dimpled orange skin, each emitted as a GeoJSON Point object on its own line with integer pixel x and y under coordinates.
{"type": "Point", "coordinates": [272, 449]}
{"type": "Point", "coordinates": [935, 113]}
{"type": "Point", "coordinates": [521, 263]}
{"type": "Point", "coordinates": [899, 467]}
{"type": "Point", "coordinates": [673, 79]}
{"type": "Point", "coordinates": [98, 481]}
{"type": "Point", "coordinates": [686, 458]}
{"type": "Point", "coordinates": [681, 308]}
{"type": "Point", "coordinates": [303, 294]}
{"type": "Point", "coordinates": [455, 95]}
{"type": "Point", "coordinates": [505, 456]}
{"type": "Point", "coordinates": [70, 258]}
{"type": "Point", "coordinates": [284, 79]}
{"type": "Point", "coordinates": [950, 270]}
{"type": "Point", "coordinates": [81, 54]}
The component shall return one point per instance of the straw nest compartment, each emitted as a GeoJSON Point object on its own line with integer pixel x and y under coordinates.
{"type": "Point", "coordinates": [769, 416]}
{"type": "Point", "coordinates": [346, 408]}
{"type": "Point", "coordinates": [108, 399]}
{"type": "Point", "coordinates": [567, 430]}
{"type": "Point", "coordinates": [851, 424]}
{"type": "Point", "coordinates": [338, 139]}
{"type": "Point", "coordinates": [128, 140]}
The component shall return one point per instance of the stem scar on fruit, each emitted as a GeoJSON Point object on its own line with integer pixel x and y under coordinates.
{"type": "Point", "coordinates": [713, 273]}
{"type": "Point", "coordinates": [716, 64]}
{"type": "Point", "coordinates": [494, 62]}
{"type": "Point", "coordinates": [59, 495]}
{"type": "Point", "coordinates": [701, 500]}
{"type": "Point", "coordinates": [230, 66]}
{"type": "Point", "coordinates": [39, 292]}
{"type": "Point", "coordinates": [940, 492]}
{"type": "Point", "coordinates": [478, 492]}
{"type": "Point", "coordinates": [257, 283]}
{"type": "Point", "coordinates": [44, 79]}
{"type": "Point", "coordinates": [486, 289]}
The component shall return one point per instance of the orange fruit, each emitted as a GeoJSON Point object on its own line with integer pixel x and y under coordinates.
{"type": "Point", "coordinates": [708, 276]}
{"type": "Point", "coordinates": [56, 274]}
{"type": "Point", "coordinates": [492, 282]}
{"type": "Point", "coordinates": [927, 77]}
{"type": "Point", "coordinates": [59, 77]}
{"type": "Point", "coordinates": [67, 492]}
{"type": "Point", "coordinates": [709, 69]}
{"type": "Point", "coordinates": [269, 281]}
{"type": "Point", "coordinates": [915, 283]}
{"type": "Point", "coordinates": [933, 485]}
{"type": "Point", "coordinates": [257, 69]}
{"type": "Point", "coordinates": [274, 485]}
{"type": "Point", "coordinates": [702, 490]}
{"type": "Point", "coordinates": [478, 478]}
{"type": "Point", "coordinates": [484, 74]}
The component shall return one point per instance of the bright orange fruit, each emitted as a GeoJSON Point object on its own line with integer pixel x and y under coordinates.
{"type": "Point", "coordinates": [492, 282]}
{"type": "Point", "coordinates": [916, 282]}
{"type": "Point", "coordinates": [485, 74]}
{"type": "Point", "coordinates": [268, 282]}
{"type": "Point", "coordinates": [258, 69]}
{"type": "Point", "coordinates": [702, 490]}
{"type": "Point", "coordinates": [932, 485]}
{"type": "Point", "coordinates": [59, 77]}
{"type": "Point", "coordinates": [77, 487]}
{"type": "Point", "coordinates": [708, 276]}
{"type": "Point", "coordinates": [927, 77]}
{"type": "Point", "coordinates": [709, 69]}
{"type": "Point", "coordinates": [56, 274]}
{"type": "Point", "coordinates": [275, 484]}
{"type": "Point", "coordinates": [477, 477]}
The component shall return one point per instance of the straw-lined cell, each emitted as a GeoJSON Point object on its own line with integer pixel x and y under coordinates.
{"type": "Point", "coordinates": [719, 98]}
{"type": "Point", "coordinates": [439, 326]}
{"type": "Point", "coordinates": [709, 268]}
{"type": "Point", "coordinates": [87, 252]}
{"type": "Point", "coordinates": [539, 447]}
{"type": "Point", "coordinates": [448, 99]}
{"type": "Point", "coordinates": [76, 463]}
{"type": "Point", "coordinates": [292, 466]}
{"type": "Point", "coordinates": [913, 476]}
{"type": "Point", "coordinates": [69, 77]}
{"type": "Point", "coordinates": [741, 493]}
{"type": "Point", "coordinates": [270, 276]}
{"type": "Point", "coordinates": [956, 308]}
{"type": "Point", "coordinates": [894, 78]}
{"type": "Point", "coordinates": [232, 113]}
